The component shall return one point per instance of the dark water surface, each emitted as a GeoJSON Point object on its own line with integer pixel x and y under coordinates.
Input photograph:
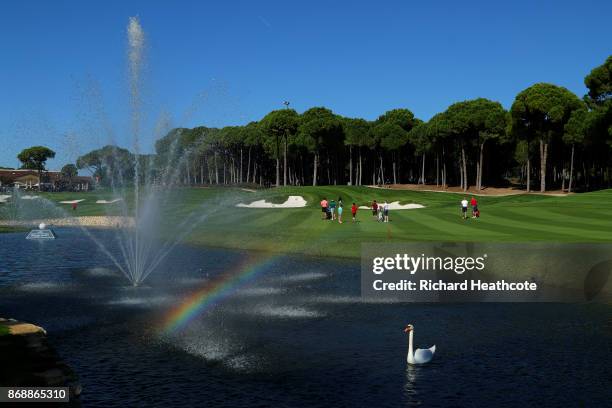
{"type": "Point", "coordinates": [294, 332]}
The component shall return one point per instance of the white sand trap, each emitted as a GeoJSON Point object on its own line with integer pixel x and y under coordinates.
{"type": "Point", "coordinates": [29, 197]}
{"type": "Point", "coordinates": [292, 202]}
{"type": "Point", "coordinates": [396, 206]}
{"type": "Point", "coordinates": [4, 198]}
{"type": "Point", "coordinates": [71, 201]}
{"type": "Point", "coordinates": [250, 190]}
{"type": "Point", "coordinates": [114, 200]}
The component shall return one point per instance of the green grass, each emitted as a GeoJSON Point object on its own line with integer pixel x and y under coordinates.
{"type": "Point", "coordinates": [4, 330]}
{"type": "Point", "coordinates": [577, 218]}
{"type": "Point", "coordinates": [4, 228]}
{"type": "Point", "coordinates": [520, 218]}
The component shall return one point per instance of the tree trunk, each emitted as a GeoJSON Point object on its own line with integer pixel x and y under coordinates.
{"type": "Point", "coordinates": [285, 164]}
{"type": "Point", "coordinates": [314, 171]}
{"type": "Point", "coordinates": [443, 167]}
{"type": "Point", "coordinates": [394, 177]}
{"type": "Point", "coordinates": [437, 170]}
{"type": "Point", "coordinates": [360, 166]}
{"type": "Point", "coordinates": [528, 175]}
{"type": "Point", "coordinates": [480, 166]}
{"type": "Point", "coordinates": [423, 170]}
{"type": "Point", "coordinates": [571, 175]}
{"type": "Point", "coordinates": [216, 169]}
{"type": "Point", "coordinates": [240, 178]}
{"type": "Point", "coordinates": [277, 162]}
{"type": "Point", "coordinates": [351, 165]}
{"type": "Point", "coordinates": [569, 186]}
{"type": "Point", "coordinates": [465, 176]}
{"type": "Point", "coordinates": [382, 172]}
{"type": "Point", "coordinates": [543, 157]}
{"type": "Point", "coordinates": [248, 165]}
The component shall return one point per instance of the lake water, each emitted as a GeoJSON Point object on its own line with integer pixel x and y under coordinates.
{"type": "Point", "coordinates": [290, 331]}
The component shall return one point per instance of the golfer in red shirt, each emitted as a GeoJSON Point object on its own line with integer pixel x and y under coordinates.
{"type": "Point", "coordinates": [474, 205]}
{"type": "Point", "coordinates": [354, 211]}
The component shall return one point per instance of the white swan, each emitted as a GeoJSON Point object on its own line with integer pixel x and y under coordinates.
{"type": "Point", "coordinates": [420, 356]}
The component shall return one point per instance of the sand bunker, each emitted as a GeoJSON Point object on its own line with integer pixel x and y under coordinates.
{"type": "Point", "coordinates": [250, 190]}
{"type": "Point", "coordinates": [292, 202]}
{"type": "Point", "coordinates": [71, 201]}
{"type": "Point", "coordinates": [4, 198]}
{"type": "Point", "coordinates": [115, 200]}
{"type": "Point", "coordinates": [28, 197]}
{"type": "Point", "coordinates": [397, 206]}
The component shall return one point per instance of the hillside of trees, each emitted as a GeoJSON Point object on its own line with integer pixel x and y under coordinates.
{"type": "Point", "coordinates": [549, 139]}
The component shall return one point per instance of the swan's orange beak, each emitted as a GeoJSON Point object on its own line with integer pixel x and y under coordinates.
{"type": "Point", "coordinates": [407, 329]}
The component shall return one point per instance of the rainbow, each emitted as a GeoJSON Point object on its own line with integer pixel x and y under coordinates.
{"type": "Point", "coordinates": [216, 290]}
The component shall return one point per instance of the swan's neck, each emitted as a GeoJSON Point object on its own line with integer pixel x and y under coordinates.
{"type": "Point", "coordinates": [410, 353]}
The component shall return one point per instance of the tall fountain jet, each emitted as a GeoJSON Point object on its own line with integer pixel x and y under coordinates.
{"type": "Point", "coordinates": [135, 61]}
{"type": "Point", "coordinates": [142, 196]}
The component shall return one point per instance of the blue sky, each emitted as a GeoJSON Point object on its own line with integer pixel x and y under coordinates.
{"type": "Point", "coordinates": [63, 68]}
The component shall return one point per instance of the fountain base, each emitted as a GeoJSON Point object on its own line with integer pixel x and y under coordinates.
{"type": "Point", "coordinates": [41, 234]}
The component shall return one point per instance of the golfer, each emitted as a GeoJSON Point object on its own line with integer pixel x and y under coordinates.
{"type": "Point", "coordinates": [324, 208]}
{"type": "Point", "coordinates": [374, 209]}
{"type": "Point", "coordinates": [386, 211]}
{"type": "Point", "coordinates": [464, 207]}
{"type": "Point", "coordinates": [332, 209]}
{"type": "Point", "coordinates": [474, 205]}
{"type": "Point", "coordinates": [340, 209]}
{"type": "Point", "coordinates": [354, 212]}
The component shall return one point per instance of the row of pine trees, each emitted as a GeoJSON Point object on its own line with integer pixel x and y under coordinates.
{"type": "Point", "coordinates": [549, 139]}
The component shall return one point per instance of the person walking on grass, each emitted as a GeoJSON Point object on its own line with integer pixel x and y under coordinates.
{"type": "Point", "coordinates": [332, 209]}
{"type": "Point", "coordinates": [340, 209]}
{"type": "Point", "coordinates": [380, 213]}
{"type": "Point", "coordinates": [354, 212]}
{"type": "Point", "coordinates": [374, 209]}
{"type": "Point", "coordinates": [386, 211]}
{"type": "Point", "coordinates": [474, 205]}
{"type": "Point", "coordinates": [464, 208]}
{"type": "Point", "coordinates": [324, 208]}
